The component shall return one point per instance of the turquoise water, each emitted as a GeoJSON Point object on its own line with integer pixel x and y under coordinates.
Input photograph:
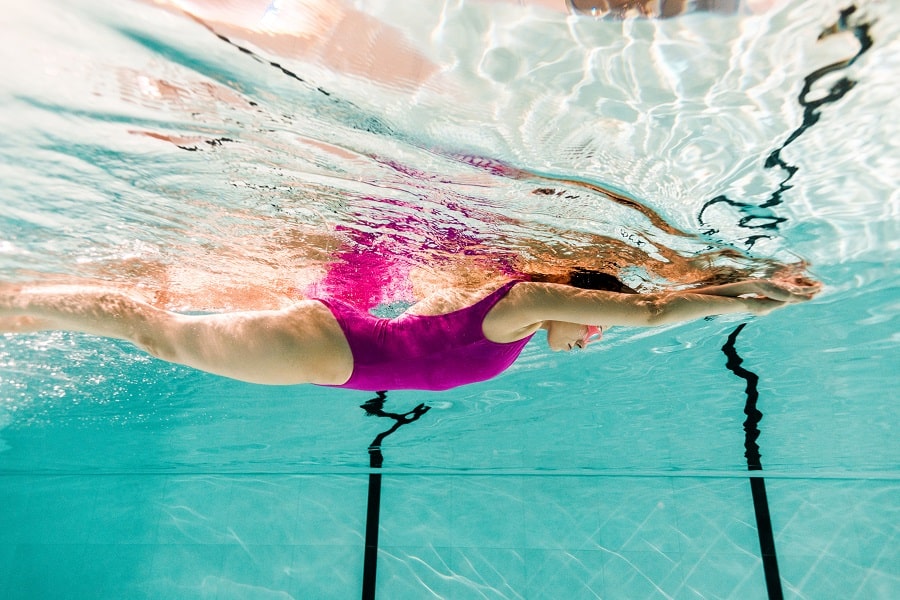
{"type": "Point", "coordinates": [141, 149]}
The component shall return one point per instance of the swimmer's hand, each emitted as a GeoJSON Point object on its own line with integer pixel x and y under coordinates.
{"type": "Point", "coordinates": [786, 290]}
{"type": "Point", "coordinates": [762, 296]}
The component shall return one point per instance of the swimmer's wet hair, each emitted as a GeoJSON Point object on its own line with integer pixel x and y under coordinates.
{"type": "Point", "coordinates": [587, 279]}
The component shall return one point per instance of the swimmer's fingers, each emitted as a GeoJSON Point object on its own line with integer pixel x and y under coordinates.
{"type": "Point", "coordinates": [799, 285]}
{"type": "Point", "coordinates": [799, 280]}
{"type": "Point", "coordinates": [786, 291]}
{"type": "Point", "coordinates": [807, 290]}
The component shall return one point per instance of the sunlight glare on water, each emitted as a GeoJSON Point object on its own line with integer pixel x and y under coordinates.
{"type": "Point", "coordinates": [168, 140]}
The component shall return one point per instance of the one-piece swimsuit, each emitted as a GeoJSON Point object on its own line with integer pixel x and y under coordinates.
{"type": "Point", "coordinates": [417, 352]}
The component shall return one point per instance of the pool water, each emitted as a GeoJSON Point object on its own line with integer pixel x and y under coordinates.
{"type": "Point", "coordinates": [222, 169]}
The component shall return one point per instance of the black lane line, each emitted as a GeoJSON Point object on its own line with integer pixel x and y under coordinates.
{"type": "Point", "coordinates": [373, 516]}
{"type": "Point", "coordinates": [757, 484]}
{"type": "Point", "coordinates": [374, 408]}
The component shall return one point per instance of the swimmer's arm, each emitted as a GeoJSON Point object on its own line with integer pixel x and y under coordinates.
{"type": "Point", "coordinates": [538, 302]}
{"type": "Point", "coordinates": [796, 289]}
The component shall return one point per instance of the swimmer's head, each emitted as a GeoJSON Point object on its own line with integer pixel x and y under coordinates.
{"type": "Point", "coordinates": [563, 336]}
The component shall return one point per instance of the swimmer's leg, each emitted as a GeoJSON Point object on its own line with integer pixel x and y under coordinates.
{"type": "Point", "coordinates": [300, 344]}
{"type": "Point", "coordinates": [23, 325]}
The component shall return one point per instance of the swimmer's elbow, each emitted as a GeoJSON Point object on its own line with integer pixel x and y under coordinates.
{"type": "Point", "coordinates": [645, 310]}
{"type": "Point", "coordinates": [677, 307]}
{"type": "Point", "coordinates": [668, 308]}
{"type": "Point", "coordinates": [655, 309]}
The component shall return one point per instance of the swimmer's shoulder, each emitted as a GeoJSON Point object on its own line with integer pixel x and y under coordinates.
{"type": "Point", "coordinates": [445, 301]}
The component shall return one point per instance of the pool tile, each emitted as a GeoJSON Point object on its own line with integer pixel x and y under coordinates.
{"type": "Point", "coordinates": [835, 538]}
{"type": "Point", "coordinates": [416, 510]}
{"type": "Point", "coordinates": [730, 575]}
{"type": "Point", "coordinates": [638, 515]}
{"type": "Point", "coordinates": [562, 512]}
{"type": "Point", "coordinates": [460, 573]}
{"type": "Point", "coordinates": [7, 553]}
{"type": "Point", "coordinates": [267, 508]}
{"type": "Point", "coordinates": [496, 572]}
{"type": "Point", "coordinates": [187, 570]}
{"type": "Point", "coordinates": [127, 510]}
{"type": "Point", "coordinates": [332, 510]}
{"type": "Point", "coordinates": [45, 571]}
{"type": "Point", "coordinates": [716, 515]}
{"type": "Point", "coordinates": [60, 510]}
{"type": "Point", "coordinates": [196, 510]}
{"type": "Point", "coordinates": [258, 571]}
{"type": "Point", "coordinates": [827, 575]}
{"type": "Point", "coordinates": [878, 584]}
{"type": "Point", "coordinates": [636, 575]}
{"type": "Point", "coordinates": [114, 571]}
{"type": "Point", "coordinates": [487, 512]}
{"type": "Point", "coordinates": [327, 571]}
{"type": "Point", "coordinates": [14, 495]}
{"type": "Point", "coordinates": [579, 572]}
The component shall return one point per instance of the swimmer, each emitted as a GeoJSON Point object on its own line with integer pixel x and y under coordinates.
{"type": "Point", "coordinates": [439, 343]}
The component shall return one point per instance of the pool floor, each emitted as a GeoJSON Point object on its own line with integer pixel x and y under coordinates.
{"type": "Point", "coordinates": [455, 536]}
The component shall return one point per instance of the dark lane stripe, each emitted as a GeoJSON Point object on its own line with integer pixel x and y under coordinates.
{"type": "Point", "coordinates": [373, 517]}
{"type": "Point", "coordinates": [375, 408]}
{"type": "Point", "coordinates": [757, 484]}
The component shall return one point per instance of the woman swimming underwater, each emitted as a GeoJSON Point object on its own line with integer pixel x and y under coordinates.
{"type": "Point", "coordinates": [441, 342]}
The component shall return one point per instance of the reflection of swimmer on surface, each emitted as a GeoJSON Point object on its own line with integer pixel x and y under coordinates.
{"type": "Point", "coordinates": [442, 342]}
{"type": "Point", "coordinates": [342, 37]}
{"type": "Point", "coordinates": [335, 33]}
{"type": "Point", "coordinates": [661, 9]}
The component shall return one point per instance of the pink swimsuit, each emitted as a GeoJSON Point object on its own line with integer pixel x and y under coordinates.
{"type": "Point", "coordinates": [414, 352]}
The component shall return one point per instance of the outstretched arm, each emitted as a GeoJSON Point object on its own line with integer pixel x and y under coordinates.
{"type": "Point", "coordinates": [531, 303]}
{"type": "Point", "coordinates": [795, 289]}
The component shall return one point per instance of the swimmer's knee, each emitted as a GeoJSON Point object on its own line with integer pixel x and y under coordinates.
{"type": "Point", "coordinates": [156, 347]}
